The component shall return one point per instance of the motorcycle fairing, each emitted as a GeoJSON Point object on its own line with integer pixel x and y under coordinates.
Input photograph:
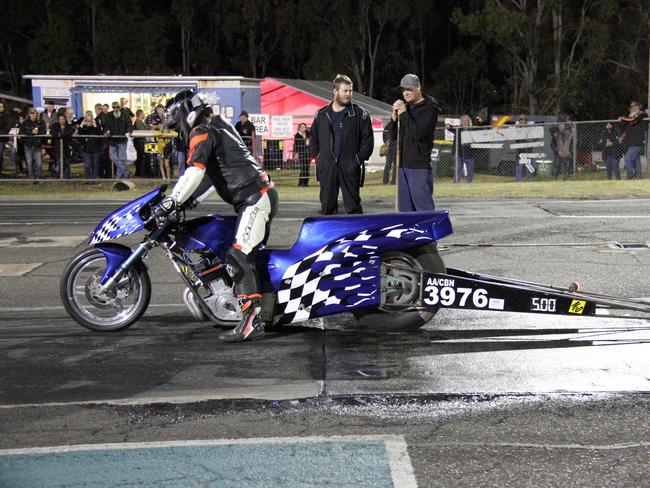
{"type": "Point", "coordinates": [123, 221]}
{"type": "Point", "coordinates": [344, 273]}
{"type": "Point", "coordinates": [214, 232]}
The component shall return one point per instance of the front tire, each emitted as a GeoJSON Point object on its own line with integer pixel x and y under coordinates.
{"type": "Point", "coordinates": [84, 302]}
{"type": "Point", "coordinates": [425, 258]}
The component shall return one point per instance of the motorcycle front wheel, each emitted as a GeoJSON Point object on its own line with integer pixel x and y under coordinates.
{"type": "Point", "coordinates": [425, 258]}
{"type": "Point", "coordinates": [94, 309]}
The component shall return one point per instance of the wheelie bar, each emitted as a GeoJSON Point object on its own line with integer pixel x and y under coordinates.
{"type": "Point", "coordinates": [460, 289]}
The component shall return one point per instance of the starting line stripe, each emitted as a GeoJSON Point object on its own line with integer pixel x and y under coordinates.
{"type": "Point", "coordinates": [321, 453]}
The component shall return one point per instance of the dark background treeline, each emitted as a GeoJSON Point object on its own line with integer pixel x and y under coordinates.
{"type": "Point", "coordinates": [583, 58]}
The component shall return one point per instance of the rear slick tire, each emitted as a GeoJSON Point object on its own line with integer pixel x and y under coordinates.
{"type": "Point", "coordinates": [425, 258]}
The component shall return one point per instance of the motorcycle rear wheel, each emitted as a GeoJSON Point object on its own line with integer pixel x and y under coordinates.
{"type": "Point", "coordinates": [82, 299]}
{"type": "Point", "coordinates": [425, 258]}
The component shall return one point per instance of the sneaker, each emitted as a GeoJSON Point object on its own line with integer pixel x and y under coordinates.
{"type": "Point", "coordinates": [250, 328]}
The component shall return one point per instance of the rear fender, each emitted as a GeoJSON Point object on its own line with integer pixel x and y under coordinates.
{"type": "Point", "coordinates": [115, 255]}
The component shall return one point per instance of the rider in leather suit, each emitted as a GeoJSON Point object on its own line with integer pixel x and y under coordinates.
{"type": "Point", "coordinates": [216, 150]}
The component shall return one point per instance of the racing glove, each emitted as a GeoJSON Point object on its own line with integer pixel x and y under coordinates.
{"type": "Point", "coordinates": [166, 211]}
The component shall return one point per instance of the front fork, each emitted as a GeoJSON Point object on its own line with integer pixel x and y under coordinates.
{"type": "Point", "coordinates": [120, 259]}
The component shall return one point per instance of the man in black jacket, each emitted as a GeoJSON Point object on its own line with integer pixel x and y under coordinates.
{"type": "Point", "coordinates": [417, 120]}
{"type": "Point", "coordinates": [341, 140]}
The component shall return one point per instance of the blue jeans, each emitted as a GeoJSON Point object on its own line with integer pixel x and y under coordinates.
{"type": "Point", "coordinates": [633, 162]}
{"type": "Point", "coordinates": [612, 165]}
{"type": "Point", "coordinates": [91, 165]}
{"type": "Point", "coordinates": [34, 159]}
{"type": "Point", "coordinates": [117, 150]}
{"type": "Point", "coordinates": [415, 192]}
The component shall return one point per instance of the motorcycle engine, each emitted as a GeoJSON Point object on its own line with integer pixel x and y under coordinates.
{"type": "Point", "coordinates": [215, 287]}
{"type": "Point", "coordinates": [222, 301]}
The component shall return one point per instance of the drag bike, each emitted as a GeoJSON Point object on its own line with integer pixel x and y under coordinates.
{"type": "Point", "coordinates": [372, 266]}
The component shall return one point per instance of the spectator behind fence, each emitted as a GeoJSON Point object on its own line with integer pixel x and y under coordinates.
{"type": "Point", "coordinates": [342, 140]}
{"type": "Point", "coordinates": [125, 107]}
{"type": "Point", "coordinates": [246, 131]}
{"type": "Point", "coordinates": [91, 147]}
{"type": "Point", "coordinates": [5, 125]}
{"type": "Point", "coordinates": [465, 161]}
{"type": "Point", "coordinates": [104, 158]}
{"type": "Point", "coordinates": [418, 118]}
{"type": "Point", "coordinates": [33, 126]}
{"type": "Point", "coordinates": [18, 153]}
{"type": "Point", "coordinates": [179, 154]}
{"type": "Point", "coordinates": [49, 114]}
{"type": "Point", "coordinates": [155, 119]}
{"type": "Point", "coordinates": [62, 133]}
{"type": "Point", "coordinates": [118, 125]}
{"type": "Point", "coordinates": [138, 143]}
{"type": "Point", "coordinates": [611, 150]}
{"type": "Point", "coordinates": [520, 168]}
{"type": "Point", "coordinates": [301, 152]}
{"type": "Point", "coordinates": [634, 133]}
{"type": "Point", "coordinates": [562, 144]}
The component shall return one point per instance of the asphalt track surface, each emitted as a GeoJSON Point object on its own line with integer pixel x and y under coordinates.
{"type": "Point", "coordinates": [472, 399]}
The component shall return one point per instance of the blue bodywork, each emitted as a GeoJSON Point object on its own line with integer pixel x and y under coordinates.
{"type": "Point", "coordinates": [334, 266]}
{"type": "Point", "coordinates": [123, 221]}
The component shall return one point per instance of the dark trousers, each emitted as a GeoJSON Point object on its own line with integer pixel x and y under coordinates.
{"type": "Point", "coordinates": [415, 190]}
{"type": "Point", "coordinates": [612, 166]}
{"type": "Point", "coordinates": [303, 178]}
{"type": "Point", "coordinates": [139, 161]}
{"type": "Point", "coordinates": [91, 164]}
{"type": "Point", "coordinates": [333, 176]}
{"type": "Point", "coordinates": [105, 164]}
{"type": "Point", "coordinates": [564, 166]}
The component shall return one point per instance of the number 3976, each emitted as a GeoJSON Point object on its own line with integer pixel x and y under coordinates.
{"type": "Point", "coordinates": [461, 297]}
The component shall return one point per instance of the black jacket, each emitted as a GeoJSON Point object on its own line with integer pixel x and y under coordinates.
{"type": "Point", "coordinates": [6, 123]}
{"type": "Point", "coordinates": [417, 126]}
{"type": "Point", "coordinates": [216, 146]}
{"type": "Point", "coordinates": [118, 126]}
{"type": "Point", "coordinates": [27, 129]}
{"type": "Point", "coordinates": [612, 136]}
{"type": "Point", "coordinates": [357, 137]}
{"type": "Point", "coordinates": [91, 144]}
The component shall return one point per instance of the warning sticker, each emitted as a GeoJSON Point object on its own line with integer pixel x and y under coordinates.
{"type": "Point", "coordinates": [577, 306]}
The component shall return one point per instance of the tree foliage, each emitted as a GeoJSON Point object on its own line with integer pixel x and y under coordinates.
{"type": "Point", "coordinates": [585, 58]}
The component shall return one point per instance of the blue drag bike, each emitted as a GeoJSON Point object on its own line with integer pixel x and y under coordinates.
{"type": "Point", "coordinates": [373, 266]}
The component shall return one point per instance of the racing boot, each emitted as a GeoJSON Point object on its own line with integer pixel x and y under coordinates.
{"type": "Point", "coordinates": [251, 327]}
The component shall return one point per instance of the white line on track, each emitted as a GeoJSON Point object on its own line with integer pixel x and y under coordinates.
{"type": "Point", "coordinates": [603, 216]}
{"type": "Point", "coordinates": [399, 460]}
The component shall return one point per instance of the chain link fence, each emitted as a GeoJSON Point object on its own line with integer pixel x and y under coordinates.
{"type": "Point", "coordinates": [525, 152]}
{"type": "Point", "coordinates": [92, 157]}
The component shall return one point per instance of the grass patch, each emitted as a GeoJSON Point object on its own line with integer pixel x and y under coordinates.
{"type": "Point", "coordinates": [484, 187]}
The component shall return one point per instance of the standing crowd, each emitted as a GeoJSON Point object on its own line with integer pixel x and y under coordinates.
{"type": "Point", "coordinates": [100, 138]}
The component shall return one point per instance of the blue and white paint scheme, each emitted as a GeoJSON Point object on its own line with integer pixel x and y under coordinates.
{"type": "Point", "coordinates": [123, 221]}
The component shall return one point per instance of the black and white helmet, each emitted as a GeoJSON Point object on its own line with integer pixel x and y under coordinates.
{"type": "Point", "coordinates": [184, 111]}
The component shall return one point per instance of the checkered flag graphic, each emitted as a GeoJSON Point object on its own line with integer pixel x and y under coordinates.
{"type": "Point", "coordinates": [312, 284]}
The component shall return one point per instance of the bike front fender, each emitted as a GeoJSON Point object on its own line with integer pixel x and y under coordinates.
{"type": "Point", "coordinates": [115, 255]}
